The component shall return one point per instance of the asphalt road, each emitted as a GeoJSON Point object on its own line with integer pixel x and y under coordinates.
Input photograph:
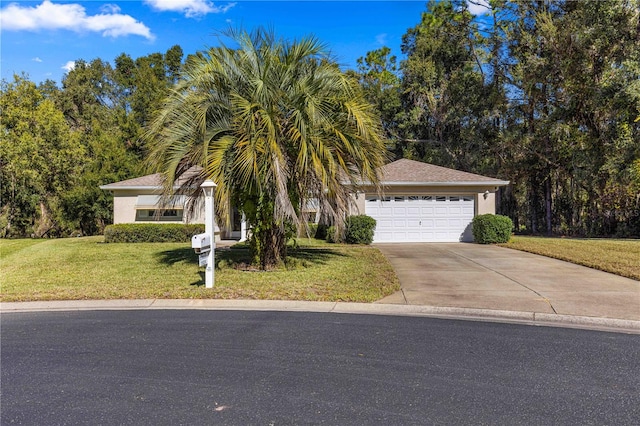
{"type": "Point", "coordinates": [275, 368]}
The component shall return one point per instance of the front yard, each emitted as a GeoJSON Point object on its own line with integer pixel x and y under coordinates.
{"type": "Point", "coordinates": [620, 257]}
{"type": "Point", "coordinates": [87, 268]}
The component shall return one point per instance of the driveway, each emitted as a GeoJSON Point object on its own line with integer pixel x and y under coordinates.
{"type": "Point", "coordinates": [490, 277]}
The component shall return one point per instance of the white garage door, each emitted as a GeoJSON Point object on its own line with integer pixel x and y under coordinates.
{"type": "Point", "coordinates": [421, 218]}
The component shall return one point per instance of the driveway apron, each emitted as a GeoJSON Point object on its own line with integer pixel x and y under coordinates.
{"type": "Point", "coordinates": [490, 277]}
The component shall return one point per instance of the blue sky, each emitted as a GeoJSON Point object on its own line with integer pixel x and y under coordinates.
{"type": "Point", "coordinates": [43, 38]}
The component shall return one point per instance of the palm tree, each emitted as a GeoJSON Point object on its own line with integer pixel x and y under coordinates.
{"type": "Point", "coordinates": [274, 123]}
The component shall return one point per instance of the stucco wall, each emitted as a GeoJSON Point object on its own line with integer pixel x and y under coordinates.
{"type": "Point", "coordinates": [124, 208]}
{"type": "Point", "coordinates": [482, 205]}
{"type": "Point", "coordinates": [486, 205]}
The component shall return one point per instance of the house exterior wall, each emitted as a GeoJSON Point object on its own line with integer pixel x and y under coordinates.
{"type": "Point", "coordinates": [483, 205]}
{"type": "Point", "coordinates": [486, 203]}
{"type": "Point", "coordinates": [125, 211]}
{"type": "Point", "coordinates": [124, 208]}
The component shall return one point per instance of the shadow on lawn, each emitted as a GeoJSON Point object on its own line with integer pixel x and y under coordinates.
{"type": "Point", "coordinates": [303, 255]}
{"type": "Point", "coordinates": [296, 258]}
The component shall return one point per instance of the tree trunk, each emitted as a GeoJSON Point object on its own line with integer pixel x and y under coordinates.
{"type": "Point", "coordinates": [547, 204]}
{"type": "Point", "coordinates": [274, 250]}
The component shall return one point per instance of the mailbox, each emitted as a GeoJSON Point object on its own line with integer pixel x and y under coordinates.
{"type": "Point", "coordinates": [201, 243]}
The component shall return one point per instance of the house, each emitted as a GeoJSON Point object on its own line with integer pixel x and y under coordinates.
{"type": "Point", "coordinates": [420, 203]}
{"type": "Point", "coordinates": [138, 200]}
{"type": "Point", "coordinates": [427, 203]}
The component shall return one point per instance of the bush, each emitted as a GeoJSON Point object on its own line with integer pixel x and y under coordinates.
{"type": "Point", "coordinates": [321, 231]}
{"type": "Point", "coordinates": [151, 232]}
{"type": "Point", "coordinates": [359, 229]}
{"type": "Point", "coordinates": [491, 229]}
{"type": "Point", "coordinates": [332, 235]}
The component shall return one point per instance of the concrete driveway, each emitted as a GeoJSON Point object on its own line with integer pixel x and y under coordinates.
{"type": "Point", "coordinates": [489, 277]}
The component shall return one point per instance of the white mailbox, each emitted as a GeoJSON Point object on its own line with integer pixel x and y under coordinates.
{"type": "Point", "coordinates": [201, 243]}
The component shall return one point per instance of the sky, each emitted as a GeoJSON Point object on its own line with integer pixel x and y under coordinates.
{"type": "Point", "coordinates": [44, 38]}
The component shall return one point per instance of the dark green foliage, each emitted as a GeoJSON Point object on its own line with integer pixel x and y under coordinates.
{"type": "Point", "coordinates": [151, 232]}
{"type": "Point", "coordinates": [492, 229]}
{"type": "Point", "coordinates": [321, 231]}
{"type": "Point", "coordinates": [359, 229]}
{"type": "Point", "coordinates": [59, 144]}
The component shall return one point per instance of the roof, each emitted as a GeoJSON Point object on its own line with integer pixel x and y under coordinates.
{"type": "Point", "coordinates": [411, 172]}
{"type": "Point", "coordinates": [400, 172]}
{"type": "Point", "coordinates": [153, 181]}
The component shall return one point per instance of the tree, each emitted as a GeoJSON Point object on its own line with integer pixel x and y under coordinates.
{"type": "Point", "coordinates": [378, 74]}
{"type": "Point", "coordinates": [274, 123]}
{"type": "Point", "coordinates": [443, 88]}
{"type": "Point", "coordinates": [575, 70]}
{"type": "Point", "coordinates": [40, 159]}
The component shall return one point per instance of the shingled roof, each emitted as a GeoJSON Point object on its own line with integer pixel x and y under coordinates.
{"type": "Point", "coordinates": [153, 181]}
{"type": "Point", "coordinates": [411, 172]}
{"type": "Point", "coordinates": [400, 172]}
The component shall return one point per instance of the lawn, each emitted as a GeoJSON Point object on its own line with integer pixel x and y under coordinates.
{"type": "Point", "coordinates": [88, 268]}
{"type": "Point", "coordinates": [621, 257]}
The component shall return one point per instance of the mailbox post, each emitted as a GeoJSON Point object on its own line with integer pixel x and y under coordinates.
{"type": "Point", "coordinates": [208, 187]}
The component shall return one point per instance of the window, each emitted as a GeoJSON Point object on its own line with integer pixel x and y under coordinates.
{"type": "Point", "coordinates": [386, 199]}
{"type": "Point", "coordinates": [427, 198]}
{"type": "Point", "coordinates": [467, 198]}
{"type": "Point", "coordinates": [440, 198]}
{"type": "Point", "coordinates": [398, 199]}
{"type": "Point", "coordinates": [454, 198]}
{"type": "Point", "coordinates": [413, 198]}
{"type": "Point", "coordinates": [149, 215]}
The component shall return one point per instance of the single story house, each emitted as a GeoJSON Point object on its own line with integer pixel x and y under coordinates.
{"type": "Point", "coordinates": [420, 203]}
{"type": "Point", "coordinates": [427, 203]}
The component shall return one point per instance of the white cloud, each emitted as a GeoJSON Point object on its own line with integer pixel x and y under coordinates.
{"type": "Point", "coordinates": [110, 8]}
{"type": "Point", "coordinates": [36, 59]}
{"type": "Point", "coordinates": [73, 17]}
{"type": "Point", "coordinates": [381, 38]}
{"type": "Point", "coordinates": [190, 8]}
{"type": "Point", "coordinates": [69, 66]}
{"type": "Point", "coordinates": [478, 7]}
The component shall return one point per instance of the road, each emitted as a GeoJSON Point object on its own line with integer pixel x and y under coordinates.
{"type": "Point", "coordinates": [274, 368]}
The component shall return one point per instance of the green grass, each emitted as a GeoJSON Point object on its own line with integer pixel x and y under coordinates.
{"type": "Point", "coordinates": [620, 257]}
{"type": "Point", "coordinates": [87, 268]}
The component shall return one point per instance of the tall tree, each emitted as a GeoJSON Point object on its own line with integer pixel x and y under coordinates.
{"type": "Point", "coordinates": [443, 87]}
{"type": "Point", "coordinates": [378, 74]}
{"type": "Point", "coordinates": [575, 66]}
{"type": "Point", "coordinates": [274, 123]}
{"type": "Point", "coordinates": [40, 159]}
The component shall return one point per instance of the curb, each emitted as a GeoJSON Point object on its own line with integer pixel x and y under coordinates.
{"type": "Point", "coordinates": [470, 314]}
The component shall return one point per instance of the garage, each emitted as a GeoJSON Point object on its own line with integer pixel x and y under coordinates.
{"type": "Point", "coordinates": [422, 202]}
{"type": "Point", "coordinates": [421, 218]}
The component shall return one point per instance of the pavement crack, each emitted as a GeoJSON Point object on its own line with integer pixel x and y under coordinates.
{"type": "Point", "coordinates": [507, 277]}
{"type": "Point", "coordinates": [404, 296]}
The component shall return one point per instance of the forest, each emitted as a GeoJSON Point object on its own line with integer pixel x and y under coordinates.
{"type": "Point", "coordinates": [543, 93]}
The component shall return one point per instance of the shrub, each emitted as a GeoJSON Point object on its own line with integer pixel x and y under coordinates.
{"type": "Point", "coordinates": [332, 235]}
{"type": "Point", "coordinates": [151, 232]}
{"type": "Point", "coordinates": [491, 229]}
{"type": "Point", "coordinates": [359, 229]}
{"type": "Point", "coordinates": [321, 231]}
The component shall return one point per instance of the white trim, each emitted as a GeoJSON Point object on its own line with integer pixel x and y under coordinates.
{"type": "Point", "coordinates": [154, 202]}
{"type": "Point", "coordinates": [477, 183]}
